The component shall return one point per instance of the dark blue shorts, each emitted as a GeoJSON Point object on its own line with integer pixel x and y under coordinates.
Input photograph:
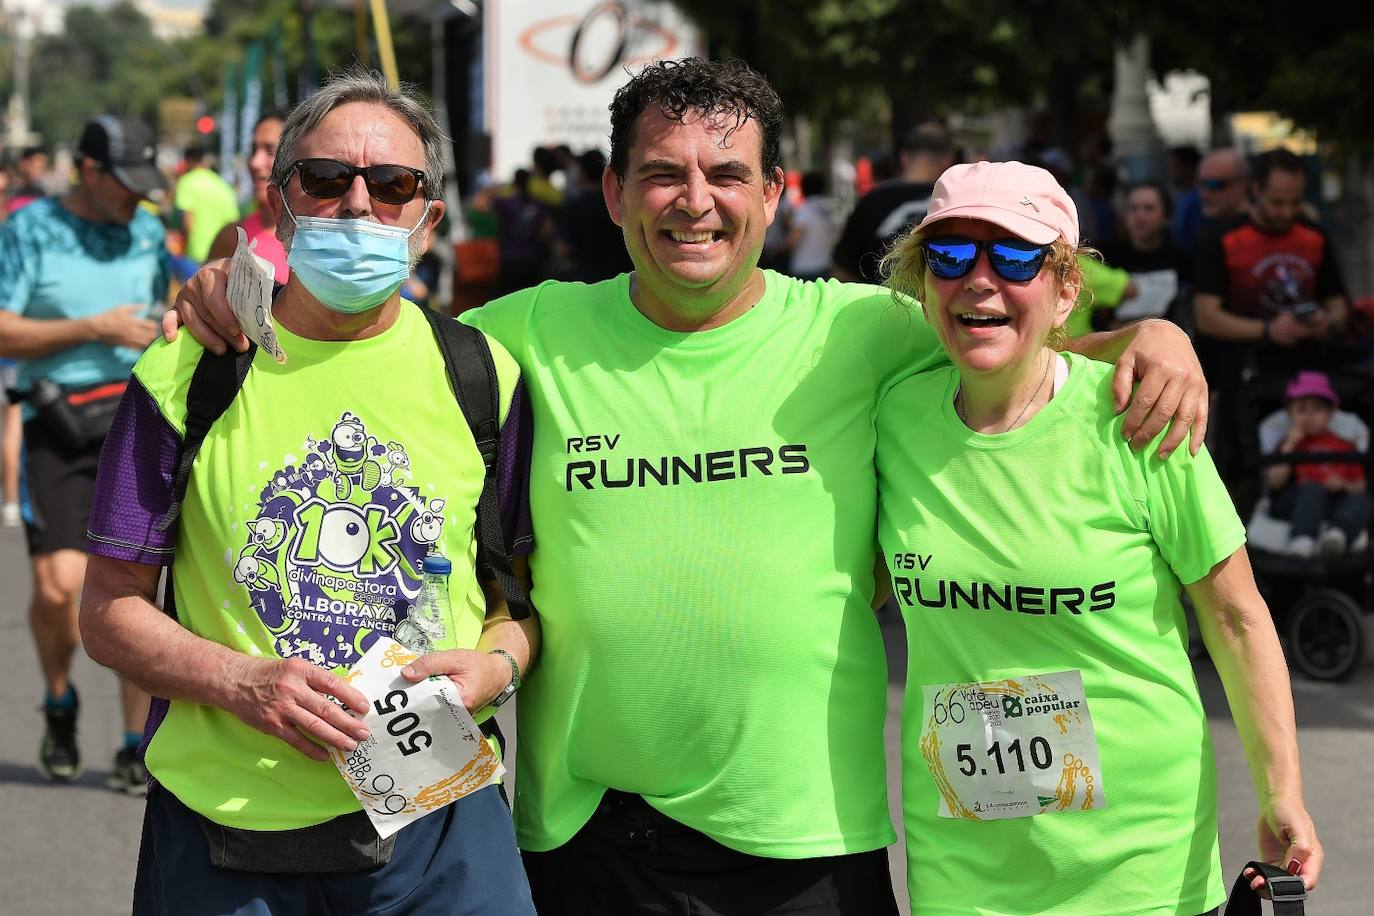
{"type": "Point", "coordinates": [460, 860]}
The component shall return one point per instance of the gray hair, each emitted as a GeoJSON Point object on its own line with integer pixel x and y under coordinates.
{"type": "Point", "coordinates": [358, 85]}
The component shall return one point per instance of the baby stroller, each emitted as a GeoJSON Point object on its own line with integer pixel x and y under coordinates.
{"type": "Point", "coordinates": [1318, 601]}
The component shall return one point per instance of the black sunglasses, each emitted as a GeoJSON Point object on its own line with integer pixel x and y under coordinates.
{"type": "Point", "coordinates": [950, 257]}
{"type": "Point", "coordinates": [330, 178]}
{"type": "Point", "coordinates": [1216, 184]}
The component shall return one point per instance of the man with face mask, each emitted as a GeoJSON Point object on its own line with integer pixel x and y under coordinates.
{"type": "Point", "coordinates": [314, 501]}
{"type": "Point", "coordinates": [79, 275]}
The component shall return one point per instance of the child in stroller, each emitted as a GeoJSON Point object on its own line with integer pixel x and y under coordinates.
{"type": "Point", "coordinates": [1308, 534]}
{"type": "Point", "coordinates": [1327, 504]}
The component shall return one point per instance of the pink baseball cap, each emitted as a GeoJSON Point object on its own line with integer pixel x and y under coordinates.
{"type": "Point", "coordinates": [1023, 199]}
{"type": "Point", "coordinates": [1309, 384]}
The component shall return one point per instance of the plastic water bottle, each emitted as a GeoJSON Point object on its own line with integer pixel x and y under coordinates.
{"type": "Point", "coordinates": [423, 629]}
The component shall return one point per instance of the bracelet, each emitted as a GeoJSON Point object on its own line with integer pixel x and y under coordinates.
{"type": "Point", "coordinates": [514, 665]}
{"type": "Point", "coordinates": [509, 690]}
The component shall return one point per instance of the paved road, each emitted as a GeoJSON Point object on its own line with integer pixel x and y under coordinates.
{"type": "Point", "coordinates": [68, 850]}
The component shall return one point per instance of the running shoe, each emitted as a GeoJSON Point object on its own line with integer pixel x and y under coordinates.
{"type": "Point", "coordinates": [58, 756]}
{"type": "Point", "coordinates": [128, 775]}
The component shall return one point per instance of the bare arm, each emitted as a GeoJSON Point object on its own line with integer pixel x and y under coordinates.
{"type": "Point", "coordinates": [286, 698]}
{"type": "Point", "coordinates": [480, 676]}
{"type": "Point", "coordinates": [224, 244]}
{"type": "Point", "coordinates": [1215, 321]}
{"type": "Point", "coordinates": [1171, 390]}
{"type": "Point", "coordinates": [1277, 475]}
{"type": "Point", "coordinates": [1240, 637]}
{"type": "Point", "coordinates": [30, 338]}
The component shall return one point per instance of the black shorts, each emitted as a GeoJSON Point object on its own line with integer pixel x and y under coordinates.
{"type": "Point", "coordinates": [58, 484]}
{"type": "Point", "coordinates": [630, 859]}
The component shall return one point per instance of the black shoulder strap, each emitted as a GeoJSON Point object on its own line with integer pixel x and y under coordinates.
{"type": "Point", "coordinates": [214, 386]}
{"type": "Point", "coordinates": [472, 376]}
{"type": "Point", "coordinates": [1286, 891]}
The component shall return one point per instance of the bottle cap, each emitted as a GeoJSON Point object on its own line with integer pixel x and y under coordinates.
{"type": "Point", "coordinates": [437, 564]}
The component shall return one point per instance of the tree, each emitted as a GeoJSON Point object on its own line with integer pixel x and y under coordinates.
{"type": "Point", "coordinates": [109, 60]}
{"type": "Point", "coordinates": [102, 60]}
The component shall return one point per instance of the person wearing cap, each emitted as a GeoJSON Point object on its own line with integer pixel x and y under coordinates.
{"type": "Point", "coordinates": [1056, 755]}
{"type": "Point", "coordinates": [705, 730]}
{"type": "Point", "coordinates": [81, 275]}
{"type": "Point", "coordinates": [1309, 494]}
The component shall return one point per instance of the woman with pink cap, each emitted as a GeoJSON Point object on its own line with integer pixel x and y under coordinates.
{"type": "Point", "coordinates": [1056, 756]}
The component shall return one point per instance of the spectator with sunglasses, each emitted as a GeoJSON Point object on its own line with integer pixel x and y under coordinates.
{"type": "Point", "coordinates": [1269, 293]}
{"type": "Point", "coordinates": [326, 482]}
{"type": "Point", "coordinates": [705, 733]}
{"type": "Point", "coordinates": [1219, 195]}
{"type": "Point", "coordinates": [1051, 716]}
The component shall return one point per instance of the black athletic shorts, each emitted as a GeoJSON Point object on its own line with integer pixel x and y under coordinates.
{"type": "Point", "coordinates": [58, 484]}
{"type": "Point", "coordinates": [629, 859]}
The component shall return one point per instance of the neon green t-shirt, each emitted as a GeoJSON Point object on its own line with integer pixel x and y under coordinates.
{"type": "Point", "coordinates": [310, 506]}
{"type": "Point", "coordinates": [210, 201]}
{"type": "Point", "coordinates": [1088, 541]}
{"type": "Point", "coordinates": [705, 506]}
{"type": "Point", "coordinates": [1103, 287]}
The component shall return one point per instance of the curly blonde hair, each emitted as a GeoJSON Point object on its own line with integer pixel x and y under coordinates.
{"type": "Point", "coordinates": [904, 270]}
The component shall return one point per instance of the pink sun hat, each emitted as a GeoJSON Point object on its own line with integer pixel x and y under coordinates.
{"type": "Point", "coordinates": [1023, 199]}
{"type": "Point", "coordinates": [1311, 384]}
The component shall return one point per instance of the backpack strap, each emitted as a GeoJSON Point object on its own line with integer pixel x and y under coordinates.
{"type": "Point", "coordinates": [214, 386]}
{"type": "Point", "coordinates": [472, 376]}
{"type": "Point", "coordinates": [1286, 891]}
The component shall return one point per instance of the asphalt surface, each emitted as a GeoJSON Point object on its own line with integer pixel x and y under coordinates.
{"type": "Point", "coordinates": [71, 849]}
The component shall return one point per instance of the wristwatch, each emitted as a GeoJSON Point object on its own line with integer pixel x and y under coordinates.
{"type": "Point", "coordinates": [509, 690]}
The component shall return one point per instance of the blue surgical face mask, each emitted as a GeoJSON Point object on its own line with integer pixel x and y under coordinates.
{"type": "Point", "coordinates": [351, 265]}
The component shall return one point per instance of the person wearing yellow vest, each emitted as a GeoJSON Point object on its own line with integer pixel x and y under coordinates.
{"type": "Point", "coordinates": [704, 733]}
{"type": "Point", "coordinates": [1056, 756]}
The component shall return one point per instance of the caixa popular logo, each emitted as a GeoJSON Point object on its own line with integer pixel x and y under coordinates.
{"type": "Point", "coordinates": [608, 36]}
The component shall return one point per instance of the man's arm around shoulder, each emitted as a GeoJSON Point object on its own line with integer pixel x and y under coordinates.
{"type": "Point", "coordinates": [1158, 356]}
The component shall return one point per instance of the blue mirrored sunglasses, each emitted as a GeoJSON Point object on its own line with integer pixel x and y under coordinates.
{"type": "Point", "coordinates": [952, 256]}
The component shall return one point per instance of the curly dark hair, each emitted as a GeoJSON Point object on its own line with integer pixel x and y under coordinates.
{"type": "Point", "coordinates": [719, 89]}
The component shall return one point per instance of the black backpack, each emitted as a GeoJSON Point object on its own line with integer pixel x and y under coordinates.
{"type": "Point", "coordinates": [471, 375]}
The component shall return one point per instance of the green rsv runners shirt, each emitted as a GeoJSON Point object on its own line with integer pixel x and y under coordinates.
{"type": "Point", "coordinates": [706, 508]}
{"type": "Point", "coordinates": [312, 503]}
{"type": "Point", "coordinates": [1082, 545]}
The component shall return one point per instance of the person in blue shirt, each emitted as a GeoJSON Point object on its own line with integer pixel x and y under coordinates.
{"type": "Point", "coordinates": [81, 276]}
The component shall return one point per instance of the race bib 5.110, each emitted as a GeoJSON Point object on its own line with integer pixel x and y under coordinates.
{"type": "Point", "coordinates": [1016, 747]}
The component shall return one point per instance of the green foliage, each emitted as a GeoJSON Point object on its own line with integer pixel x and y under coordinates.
{"type": "Point", "coordinates": [109, 60]}
{"type": "Point", "coordinates": [905, 60]}
{"type": "Point", "coordinates": [104, 60]}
